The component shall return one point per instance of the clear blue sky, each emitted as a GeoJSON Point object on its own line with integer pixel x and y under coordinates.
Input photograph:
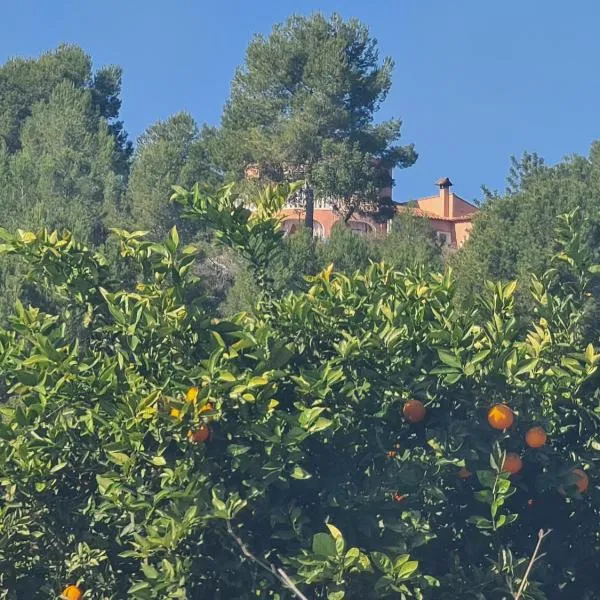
{"type": "Point", "coordinates": [475, 80]}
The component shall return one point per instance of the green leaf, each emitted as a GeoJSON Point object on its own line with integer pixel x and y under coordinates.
{"type": "Point", "coordinates": [299, 473]}
{"type": "Point", "coordinates": [237, 450]}
{"type": "Point", "coordinates": [486, 478]}
{"type": "Point", "coordinates": [480, 522]}
{"type": "Point", "coordinates": [408, 569]}
{"type": "Point", "coordinates": [449, 359]}
{"type": "Point", "coordinates": [119, 457]}
{"type": "Point", "coordinates": [340, 544]}
{"type": "Point", "coordinates": [527, 367]}
{"type": "Point", "coordinates": [323, 545]}
{"type": "Point", "coordinates": [382, 562]}
{"type": "Point", "coordinates": [58, 467]}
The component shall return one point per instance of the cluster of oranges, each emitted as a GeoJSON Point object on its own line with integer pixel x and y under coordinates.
{"type": "Point", "coordinates": [202, 433]}
{"type": "Point", "coordinates": [500, 417]}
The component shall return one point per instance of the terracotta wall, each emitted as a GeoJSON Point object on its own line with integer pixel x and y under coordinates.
{"type": "Point", "coordinates": [462, 230]}
{"type": "Point", "coordinates": [461, 207]}
{"type": "Point", "coordinates": [327, 219]}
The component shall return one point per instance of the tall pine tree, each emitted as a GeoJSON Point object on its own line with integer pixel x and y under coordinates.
{"type": "Point", "coordinates": [303, 105]}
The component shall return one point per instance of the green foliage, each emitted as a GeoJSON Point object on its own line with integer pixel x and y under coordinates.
{"type": "Point", "coordinates": [347, 251]}
{"type": "Point", "coordinates": [63, 153]}
{"type": "Point", "coordinates": [24, 83]}
{"type": "Point", "coordinates": [513, 235]}
{"type": "Point", "coordinates": [411, 243]}
{"type": "Point", "coordinates": [310, 468]}
{"type": "Point", "coordinates": [303, 105]}
{"type": "Point", "coordinates": [168, 153]}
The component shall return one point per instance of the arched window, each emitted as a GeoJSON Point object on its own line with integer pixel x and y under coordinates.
{"type": "Point", "coordinates": [290, 226]}
{"type": "Point", "coordinates": [318, 230]}
{"type": "Point", "coordinates": [360, 227]}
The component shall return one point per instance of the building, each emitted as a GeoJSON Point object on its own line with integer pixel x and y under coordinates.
{"type": "Point", "coordinates": [450, 215]}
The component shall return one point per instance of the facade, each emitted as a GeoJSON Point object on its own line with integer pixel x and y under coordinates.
{"type": "Point", "coordinates": [450, 215]}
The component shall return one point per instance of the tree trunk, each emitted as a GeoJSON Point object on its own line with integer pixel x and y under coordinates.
{"type": "Point", "coordinates": [309, 206]}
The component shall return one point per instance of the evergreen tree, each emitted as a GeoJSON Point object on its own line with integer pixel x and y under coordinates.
{"type": "Point", "coordinates": [412, 242]}
{"type": "Point", "coordinates": [513, 234]}
{"type": "Point", "coordinates": [302, 106]}
{"type": "Point", "coordinates": [171, 152]}
{"type": "Point", "coordinates": [26, 82]}
{"type": "Point", "coordinates": [63, 174]}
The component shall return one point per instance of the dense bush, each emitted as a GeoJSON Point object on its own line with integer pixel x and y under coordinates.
{"type": "Point", "coordinates": [150, 451]}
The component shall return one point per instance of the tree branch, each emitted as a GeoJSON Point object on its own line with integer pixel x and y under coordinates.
{"type": "Point", "coordinates": [278, 573]}
{"type": "Point", "coordinates": [541, 535]}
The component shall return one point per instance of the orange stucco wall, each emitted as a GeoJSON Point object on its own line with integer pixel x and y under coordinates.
{"type": "Point", "coordinates": [327, 219]}
{"type": "Point", "coordinates": [461, 207]}
{"type": "Point", "coordinates": [457, 206]}
{"type": "Point", "coordinates": [432, 204]}
{"type": "Point", "coordinates": [462, 230]}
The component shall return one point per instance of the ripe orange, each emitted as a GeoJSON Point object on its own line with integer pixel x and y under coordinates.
{"type": "Point", "coordinates": [206, 408]}
{"type": "Point", "coordinates": [582, 482]}
{"type": "Point", "coordinates": [512, 463]}
{"type": "Point", "coordinates": [72, 592]}
{"type": "Point", "coordinates": [500, 416]}
{"type": "Point", "coordinates": [391, 454]}
{"type": "Point", "coordinates": [398, 497]}
{"type": "Point", "coordinates": [201, 434]}
{"type": "Point", "coordinates": [191, 394]}
{"type": "Point", "coordinates": [535, 437]}
{"type": "Point", "coordinates": [176, 413]}
{"type": "Point", "coordinates": [464, 473]}
{"type": "Point", "coordinates": [414, 411]}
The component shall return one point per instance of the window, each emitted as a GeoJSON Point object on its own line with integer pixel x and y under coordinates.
{"type": "Point", "coordinates": [291, 226]}
{"type": "Point", "coordinates": [444, 237]}
{"type": "Point", "coordinates": [360, 227]}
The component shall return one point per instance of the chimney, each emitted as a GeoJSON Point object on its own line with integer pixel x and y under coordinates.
{"type": "Point", "coordinates": [448, 206]}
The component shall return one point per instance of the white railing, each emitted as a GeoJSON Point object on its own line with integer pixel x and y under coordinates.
{"type": "Point", "coordinates": [320, 203]}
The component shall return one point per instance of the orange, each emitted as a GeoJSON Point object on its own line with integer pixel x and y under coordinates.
{"type": "Point", "coordinates": [191, 394]}
{"type": "Point", "coordinates": [500, 416]}
{"type": "Point", "coordinates": [176, 413]}
{"type": "Point", "coordinates": [582, 482]}
{"type": "Point", "coordinates": [206, 408]}
{"type": "Point", "coordinates": [535, 437]}
{"type": "Point", "coordinates": [72, 592]}
{"type": "Point", "coordinates": [464, 473]}
{"type": "Point", "coordinates": [414, 411]}
{"type": "Point", "coordinates": [398, 497]}
{"type": "Point", "coordinates": [391, 454]}
{"type": "Point", "coordinates": [512, 463]}
{"type": "Point", "coordinates": [201, 434]}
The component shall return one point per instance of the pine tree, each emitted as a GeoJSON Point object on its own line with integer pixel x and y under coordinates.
{"type": "Point", "coordinates": [171, 152]}
{"type": "Point", "coordinates": [302, 106]}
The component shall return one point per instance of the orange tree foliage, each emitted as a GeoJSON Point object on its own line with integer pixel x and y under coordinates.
{"type": "Point", "coordinates": [308, 464]}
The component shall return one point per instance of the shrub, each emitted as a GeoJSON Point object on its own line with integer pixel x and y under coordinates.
{"type": "Point", "coordinates": [150, 451]}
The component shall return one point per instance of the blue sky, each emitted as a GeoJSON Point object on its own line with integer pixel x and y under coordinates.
{"type": "Point", "coordinates": [475, 80]}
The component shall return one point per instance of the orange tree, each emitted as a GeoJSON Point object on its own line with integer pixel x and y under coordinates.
{"type": "Point", "coordinates": [336, 445]}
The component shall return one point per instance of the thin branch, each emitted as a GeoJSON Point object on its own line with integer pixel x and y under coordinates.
{"type": "Point", "coordinates": [534, 557]}
{"type": "Point", "coordinates": [278, 573]}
